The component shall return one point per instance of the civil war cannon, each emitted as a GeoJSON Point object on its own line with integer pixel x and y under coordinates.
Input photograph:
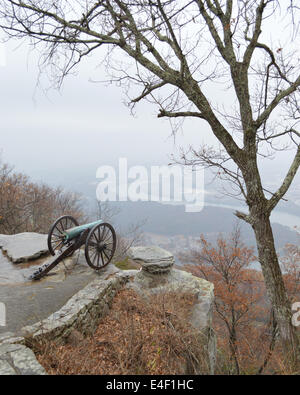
{"type": "Point", "coordinates": [66, 236]}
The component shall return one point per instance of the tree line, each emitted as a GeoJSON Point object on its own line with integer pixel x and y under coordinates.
{"type": "Point", "coordinates": [27, 206]}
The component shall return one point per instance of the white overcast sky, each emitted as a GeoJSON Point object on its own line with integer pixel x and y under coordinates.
{"type": "Point", "coordinates": [62, 136]}
{"type": "Point", "coordinates": [84, 124]}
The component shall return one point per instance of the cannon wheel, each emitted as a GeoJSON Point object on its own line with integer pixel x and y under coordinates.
{"type": "Point", "coordinates": [100, 245]}
{"type": "Point", "coordinates": [56, 236]}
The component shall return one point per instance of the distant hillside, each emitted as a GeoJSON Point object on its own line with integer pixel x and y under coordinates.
{"type": "Point", "coordinates": [173, 220]}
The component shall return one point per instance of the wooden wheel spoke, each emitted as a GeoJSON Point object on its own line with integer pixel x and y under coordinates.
{"type": "Point", "coordinates": [59, 230]}
{"type": "Point", "coordinates": [106, 234]}
{"type": "Point", "coordinates": [106, 255]}
{"type": "Point", "coordinates": [108, 247]}
{"type": "Point", "coordinates": [56, 237]}
{"type": "Point", "coordinates": [55, 234]}
{"type": "Point", "coordinates": [99, 235]}
{"type": "Point", "coordinates": [58, 244]}
{"type": "Point", "coordinates": [94, 252]}
{"type": "Point", "coordinates": [61, 226]}
{"type": "Point", "coordinates": [97, 241]}
{"type": "Point", "coordinates": [102, 258]}
{"type": "Point", "coordinates": [94, 258]}
{"type": "Point", "coordinates": [96, 238]}
{"type": "Point", "coordinates": [92, 244]}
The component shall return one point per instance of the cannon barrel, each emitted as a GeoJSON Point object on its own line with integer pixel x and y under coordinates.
{"type": "Point", "coordinates": [74, 232]}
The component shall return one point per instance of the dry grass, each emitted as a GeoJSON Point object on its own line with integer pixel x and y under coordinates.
{"type": "Point", "coordinates": [134, 338]}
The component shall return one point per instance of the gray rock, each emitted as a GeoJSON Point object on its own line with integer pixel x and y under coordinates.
{"type": "Point", "coordinates": [2, 239]}
{"type": "Point", "coordinates": [20, 360]}
{"type": "Point", "coordinates": [25, 362]}
{"type": "Point", "coordinates": [149, 254]}
{"type": "Point", "coordinates": [6, 336]}
{"type": "Point", "coordinates": [6, 369]}
{"type": "Point", "coordinates": [10, 338]}
{"type": "Point", "coordinates": [9, 348]}
{"type": "Point", "coordinates": [154, 260]}
{"type": "Point", "coordinates": [23, 247]}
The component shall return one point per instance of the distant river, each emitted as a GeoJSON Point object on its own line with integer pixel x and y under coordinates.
{"type": "Point", "coordinates": [286, 219]}
{"type": "Point", "coordinates": [277, 216]}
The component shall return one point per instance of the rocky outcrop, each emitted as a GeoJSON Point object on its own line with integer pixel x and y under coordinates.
{"type": "Point", "coordinates": [83, 311]}
{"type": "Point", "coordinates": [24, 247]}
{"type": "Point", "coordinates": [163, 278]}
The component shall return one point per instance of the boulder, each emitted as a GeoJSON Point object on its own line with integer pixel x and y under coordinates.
{"type": "Point", "coordinates": [23, 247]}
{"type": "Point", "coordinates": [154, 260]}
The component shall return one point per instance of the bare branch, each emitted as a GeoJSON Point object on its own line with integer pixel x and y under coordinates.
{"type": "Point", "coordinates": [164, 113]}
{"type": "Point", "coordinates": [148, 89]}
{"type": "Point", "coordinates": [286, 182]}
{"type": "Point", "coordinates": [274, 103]}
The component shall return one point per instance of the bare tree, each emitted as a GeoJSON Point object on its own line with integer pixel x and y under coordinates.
{"type": "Point", "coordinates": [126, 238]}
{"type": "Point", "coordinates": [181, 53]}
{"type": "Point", "coordinates": [225, 264]}
{"type": "Point", "coordinates": [104, 211]}
{"type": "Point", "coordinates": [26, 206]}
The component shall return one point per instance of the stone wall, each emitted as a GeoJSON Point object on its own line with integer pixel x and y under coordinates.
{"type": "Point", "coordinates": [81, 312]}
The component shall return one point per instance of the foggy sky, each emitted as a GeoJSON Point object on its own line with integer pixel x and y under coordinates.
{"type": "Point", "coordinates": [62, 137]}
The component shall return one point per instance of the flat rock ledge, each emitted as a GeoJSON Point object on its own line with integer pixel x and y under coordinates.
{"type": "Point", "coordinates": [23, 247]}
{"type": "Point", "coordinates": [154, 260]}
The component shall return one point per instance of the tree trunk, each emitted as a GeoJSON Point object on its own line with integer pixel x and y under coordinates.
{"type": "Point", "coordinates": [233, 351]}
{"type": "Point", "coordinates": [275, 286]}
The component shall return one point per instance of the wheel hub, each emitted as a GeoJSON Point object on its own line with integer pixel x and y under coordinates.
{"type": "Point", "coordinates": [101, 247]}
